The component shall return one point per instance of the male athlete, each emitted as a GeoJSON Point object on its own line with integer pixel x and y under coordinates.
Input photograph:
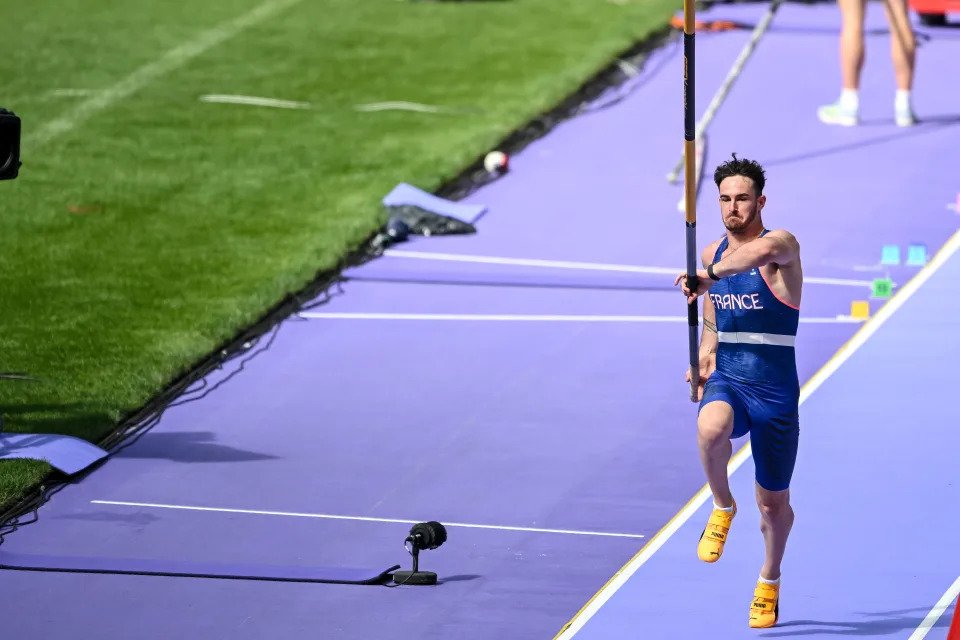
{"type": "Point", "coordinates": [748, 373]}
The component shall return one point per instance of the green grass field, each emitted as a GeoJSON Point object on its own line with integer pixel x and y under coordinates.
{"type": "Point", "coordinates": [152, 226]}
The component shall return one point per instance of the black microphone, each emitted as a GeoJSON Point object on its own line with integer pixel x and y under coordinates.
{"type": "Point", "coordinates": [427, 535]}
{"type": "Point", "coordinates": [423, 535]}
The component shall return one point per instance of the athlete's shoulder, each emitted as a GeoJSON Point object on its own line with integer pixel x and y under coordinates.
{"type": "Point", "coordinates": [782, 234]}
{"type": "Point", "coordinates": [786, 251]}
{"type": "Point", "coordinates": [710, 251]}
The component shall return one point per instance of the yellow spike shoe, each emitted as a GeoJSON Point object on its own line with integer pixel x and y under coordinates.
{"type": "Point", "coordinates": [765, 609]}
{"type": "Point", "coordinates": [714, 534]}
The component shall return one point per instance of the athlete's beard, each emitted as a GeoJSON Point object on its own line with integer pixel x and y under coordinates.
{"type": "Point", "coordinates": [739, 226]}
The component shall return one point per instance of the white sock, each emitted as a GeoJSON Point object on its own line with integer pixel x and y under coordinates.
{"type": "Point", "coordinates": [727, 509]}
{"type": "Point", "coordinates": [902, 99]}
{"type": "Point", "coordinates": [850, 99]}
{"type": "Point", "coordinates": [765, 581]}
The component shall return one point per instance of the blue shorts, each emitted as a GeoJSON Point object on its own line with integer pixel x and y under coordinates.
{"type": "Point", "coordinates": [771, 419]}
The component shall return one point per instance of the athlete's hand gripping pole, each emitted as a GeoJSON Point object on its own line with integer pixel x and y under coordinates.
{"type": "Point", "coordinates": [689, 153]}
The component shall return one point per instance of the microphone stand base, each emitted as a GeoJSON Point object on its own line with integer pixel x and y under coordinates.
{"type": "Point", "coordinates": [414, 577]}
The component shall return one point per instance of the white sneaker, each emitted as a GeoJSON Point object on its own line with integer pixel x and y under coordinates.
{"type": "Point", "coordinates": [837, 114]}
{"type": "Point", "coordinates": [904, 116]}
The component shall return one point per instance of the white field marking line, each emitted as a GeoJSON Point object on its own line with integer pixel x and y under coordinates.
{"type": "Point", "coordinates": [399, 105]}
{"type": "Point", "coordinates": [594, 266]}
{"type": "Point", "coordinates": [942, 605]}
{"type": "Point", "coordinates": [73, 93]}
{"type": "Point", "coordinates": [293, 514]}
{"type": "Point", "coordinates": [146, 74]}
{"type": "Point", "coordinates": [254, 101]}
{"type": "Point", "coordinates": [842, 355]}
{"type": "Point", "coordinates": [530, 318]}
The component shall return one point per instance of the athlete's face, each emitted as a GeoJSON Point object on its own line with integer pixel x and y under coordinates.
{"type": "Point", "coordinates": [739, 204]}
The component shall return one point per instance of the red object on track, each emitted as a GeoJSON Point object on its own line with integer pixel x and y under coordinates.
{"type": "Point", "coordinates": [954, 633]}
{"type": "Point", "coordinates": [934, 12]}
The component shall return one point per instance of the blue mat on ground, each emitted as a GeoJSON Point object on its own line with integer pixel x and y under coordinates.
{"type": "Point", "coordinates": [407, 195]}
{"type": "Point", "coordinates": [145, 567]}
{"type": "Point", "coordinates": [68, 454]}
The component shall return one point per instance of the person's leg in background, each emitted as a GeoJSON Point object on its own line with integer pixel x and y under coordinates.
{"type": "Point", "coordinates": [903, 49]}
{"type": "Point", "coordinates": [846, 111]}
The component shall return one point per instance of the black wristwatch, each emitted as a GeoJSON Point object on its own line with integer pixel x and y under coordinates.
{"type": "Point", "coordinates": [710, 273]}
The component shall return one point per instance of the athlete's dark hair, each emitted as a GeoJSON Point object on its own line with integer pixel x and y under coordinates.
{"type": "Point", "coordinates": [737, 167]}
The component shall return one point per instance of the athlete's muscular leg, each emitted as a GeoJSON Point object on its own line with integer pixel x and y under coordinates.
{"type": "Point", "coordinates": [776, 520]}
{"type": "Point", "coordinates": [714, 427]}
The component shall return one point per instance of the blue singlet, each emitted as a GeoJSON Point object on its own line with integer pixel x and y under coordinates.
{"type": "Point", "coordinates": [756, 371]}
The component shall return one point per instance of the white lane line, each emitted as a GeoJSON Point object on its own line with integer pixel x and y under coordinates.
{"type": "Point", "coordinates": [527, 262]}
{"type": "Point", "coordinates": [254, 101]}
{"type": "Point", "coordinates": [846, 351]}
{"type": "Point", "coordinates": [146, 74]}
{"type": "Point", "coordinates": [491, 317]}
{"type": "Point", "coordinates": [938, 609]}
{"type": "Point", "coordinates": [293, 514]}
{"type": "Point", "coordinates": [592, 266]}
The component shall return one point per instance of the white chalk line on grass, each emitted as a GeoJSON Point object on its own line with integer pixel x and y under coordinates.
{"type": "Point", "coordinates": [146, 74]}
{"type": "Point", "coordinates": [403, 105]}
{"type": "Point", "coordinates": [400, 105]}
{"type": "Point", "coordinates": [73, 93]}
{"type": "Point", "coordinates": [294, 514]}
{"type": "Point", "coordinates": [255, 101]}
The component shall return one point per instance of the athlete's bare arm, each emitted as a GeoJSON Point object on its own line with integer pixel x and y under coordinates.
{"type": "Point", "coordinates": [709, 339]}
{"type": "Point", "coordinates": [778, 247]}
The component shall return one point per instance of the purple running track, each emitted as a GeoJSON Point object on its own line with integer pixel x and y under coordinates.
{"type": "Point", "coordinates": [875, 493]}
{"type": "Point", "coordinates": [582, 427]}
